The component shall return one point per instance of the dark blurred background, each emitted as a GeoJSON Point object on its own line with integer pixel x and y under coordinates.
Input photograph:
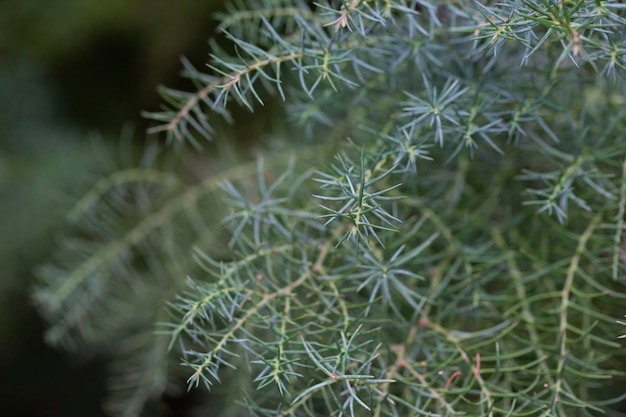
{"type": "Point", "coordinates": [71, 70]}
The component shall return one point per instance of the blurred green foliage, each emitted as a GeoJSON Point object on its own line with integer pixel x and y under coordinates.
{"type": "Point", "coordinates": [69, 68]}
{"type": "Point", "coordinates": [42, 162]}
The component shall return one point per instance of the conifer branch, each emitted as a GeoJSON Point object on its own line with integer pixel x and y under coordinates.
{"type": "Point", "coordinates": [619, 249]}
{"type": "Point", "coordinates": [461, 255]}
{"type": "Point", "coordinates": [226, 83]}
{"type": "Point", "coordinates": [527, 315]}
{"type": "Point", "coordinates": [564, 308]}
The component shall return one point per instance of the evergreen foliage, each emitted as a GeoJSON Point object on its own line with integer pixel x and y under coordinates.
{"type": "Point", "coordinates": [445, 237]}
